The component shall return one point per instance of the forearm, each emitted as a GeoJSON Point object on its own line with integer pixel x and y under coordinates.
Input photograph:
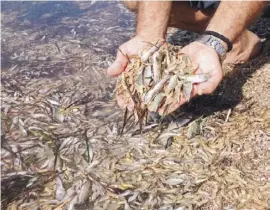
{"type": "Point", "coordinates": [231, 18]}
{"type": "Point", "coordinates": [153, 18]}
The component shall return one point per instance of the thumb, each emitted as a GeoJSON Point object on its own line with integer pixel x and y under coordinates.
{"type": "Point", "coordinates": [118, 65]}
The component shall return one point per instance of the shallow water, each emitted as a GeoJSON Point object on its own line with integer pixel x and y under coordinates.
{"type": "Point", "coordinates": [98, 27]}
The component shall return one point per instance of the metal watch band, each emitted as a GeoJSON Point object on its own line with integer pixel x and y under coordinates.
{"type": "Point", "coordinates": [213, 42]}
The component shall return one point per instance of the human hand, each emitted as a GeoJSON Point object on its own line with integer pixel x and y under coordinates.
{"type": "Point", "coordinates": [132, 48]}
{"type": "Point", "coordinates": [206, 61]}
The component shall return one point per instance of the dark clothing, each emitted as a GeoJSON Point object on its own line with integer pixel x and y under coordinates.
{"type": "Point", "coordinates": [204, 4]}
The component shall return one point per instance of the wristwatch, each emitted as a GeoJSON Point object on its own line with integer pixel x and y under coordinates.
{"type": "Point", "coordinates": [213, 42]}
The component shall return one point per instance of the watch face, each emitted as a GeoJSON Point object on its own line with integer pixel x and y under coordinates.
{"type": "Point", "coordinates": [214, 43]}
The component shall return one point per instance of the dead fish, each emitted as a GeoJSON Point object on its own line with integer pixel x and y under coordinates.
{"type": "Point", "coordinates": [195, 128]}
{"type": "Point", "coordinates": [84, 192]}
{"type": "Point", "coordinates": [151, 51]}
{"type": "Point", "coordinates": [195, 78]}
{"type": "Point", "coordinates": [155, 104]}
{"type": "Point", "coordinates": [187, 89]}
{"type": "Point", "coordinates": [174, 181]}
{"type": "Point", "coordinates": [157, 62]}
{"type": "Point", "coordinates": [147, 75]}
{"type": "Point", "coordinates": [149, 96]}
{"type": "Point", "coordinates": [60, 190]}
{"type": "Point", "coordinates": [172, 83]}
{"type": "Point", "coordinates": [103, 113]}
{"type": "Point", "coordinates": [52, 102]}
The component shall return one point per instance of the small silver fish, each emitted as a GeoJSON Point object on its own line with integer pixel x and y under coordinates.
{"type": "Point", "coordinates": [151, 51]}
{"type": "Point", "coordinates": [187, 89]}
{"type": "Point", "coordinates": [155, 104]}
{"type": "Point", "coordinates": [149, 96]}
{"type": "Point", "coordinates": [172, 83]}
{"type": "Point", "coordinates": [147, 75]}
{"type": "Point", "coordinates": [195, 78]}
{"type": "Point", "coordinates": [157, 62]}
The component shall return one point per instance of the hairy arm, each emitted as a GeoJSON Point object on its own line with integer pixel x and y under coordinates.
{"type": "Point", "coordinates": [231, 18]}
{"type": "Point", "coordinates": [153, 19]}
{"type": "Point", "coordinates": [152, 22]}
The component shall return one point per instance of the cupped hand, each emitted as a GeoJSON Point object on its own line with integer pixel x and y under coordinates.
{"type": "Point", "coordinates": [133, 47]}
{"type": "Point", "coordinates": [207, 61]}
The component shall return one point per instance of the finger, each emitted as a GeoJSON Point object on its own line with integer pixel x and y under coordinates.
{"type": "Point", "coordinates": [118, 65]}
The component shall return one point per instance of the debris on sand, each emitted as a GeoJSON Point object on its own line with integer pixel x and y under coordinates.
{"type": "Point", "coordinates": [61, 142]}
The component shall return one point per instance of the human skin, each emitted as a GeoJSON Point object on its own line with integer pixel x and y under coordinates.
{"type": "Point", "coordinates": [154, 17]}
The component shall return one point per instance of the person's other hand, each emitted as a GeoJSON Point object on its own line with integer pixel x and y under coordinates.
{"type": "Point", "coordinates": [207, 61]}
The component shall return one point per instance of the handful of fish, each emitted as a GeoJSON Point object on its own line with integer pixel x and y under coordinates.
{"type": "Point", "coordinates": [158, 78]}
